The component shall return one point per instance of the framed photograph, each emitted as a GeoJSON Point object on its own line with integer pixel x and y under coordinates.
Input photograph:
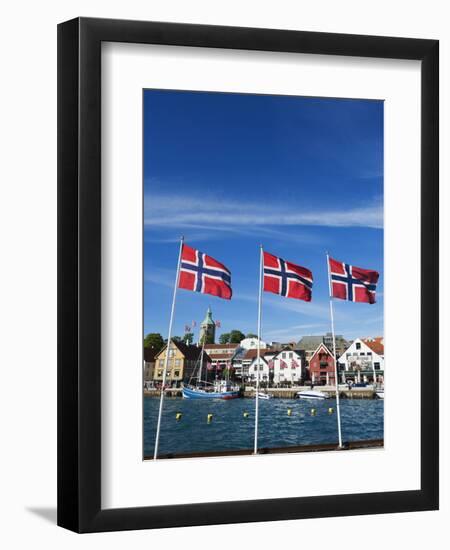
{"type": "Point", "coordinates": [248, 275]}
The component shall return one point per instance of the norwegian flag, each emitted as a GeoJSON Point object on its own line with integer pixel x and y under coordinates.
{"type": "Point", "coordinates": [352, 283]}
{"type": "Point", "coordinates": [218, 324]}
{"type": "Point", "coordinates": [209, 366]}
{"type": "Point", "coordinates": [201, 273]}
{"type": "Point", "coordinates": [286, 278]}
{"type": "Point", "coordinates": [283, 364]}
{"type": "Point", "coordinates": [271, 364]}
{"type": "Point", "coordinates": [294, 364]}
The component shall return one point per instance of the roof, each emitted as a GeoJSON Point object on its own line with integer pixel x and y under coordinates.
{"type": "Point", "coordinates": [322, 345]}
{"type": "Point", "coordinates": [218, 356]}
{"type": "Point", "coordinates": [309, 342]}
{"type": "Point", "coordinates": [208, 320]}
{"type": "Point", "coordinates": [150, 354]}
{"type": "Point", "coordinates": [221, 346]}
{"type": "Point", "coordinates": [190, 352]}
{"type": "Point", "coordinates": [375, 344]}
{"type": "Point", "coordinates": [252, 353]}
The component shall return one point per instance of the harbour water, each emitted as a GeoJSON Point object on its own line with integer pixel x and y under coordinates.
{"type": "Point", "coordinates": [230, 430]}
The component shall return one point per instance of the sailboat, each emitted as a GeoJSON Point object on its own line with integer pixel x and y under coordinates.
{"type": "Point", "coordinates": [219, 389]}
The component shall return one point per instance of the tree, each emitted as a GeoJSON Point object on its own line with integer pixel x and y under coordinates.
{"type": "Point", "coordinates": [251, 335]}
{"type": "Point", "coordinates": [154, 340]}
{"type": "Point", "coordinates": [188, 338]}
{"type": "Point", "coordinates": [236, 336]}
{"type": "Point", "coordinates": [176, 339]}
{"type": "Point", "coordinates": [224, 338]}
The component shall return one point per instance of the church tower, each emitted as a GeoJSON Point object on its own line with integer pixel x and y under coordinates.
{"type": "Point", "coordinates": [207, 329]}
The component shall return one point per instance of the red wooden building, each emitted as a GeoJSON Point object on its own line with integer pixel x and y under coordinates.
{"type": "Point", "coordinates": [321, 366]}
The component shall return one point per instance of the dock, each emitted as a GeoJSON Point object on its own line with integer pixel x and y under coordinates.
{"type": "Point", "coordinates": [282, 393]}
{"type": "Point", "coordinates": [350, 445]}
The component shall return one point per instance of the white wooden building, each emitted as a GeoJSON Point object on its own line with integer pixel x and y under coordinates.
{"type": "Point", "coordinates": [262, 372]}
{"type": "Point", "coordinates": [363, 358]}
{"type": "Point", "coordinates": [288, 367]}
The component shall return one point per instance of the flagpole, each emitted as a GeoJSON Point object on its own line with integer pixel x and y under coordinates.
{"type": "Point", "coordinates": [166, 360]}
{"type": "Point", "coordinates": [336, 380]}
{"type": "Point", "coordinates": [258, 353]}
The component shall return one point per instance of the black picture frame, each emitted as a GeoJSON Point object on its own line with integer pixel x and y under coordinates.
{"type": "Point", "coordinates": [79, 274]}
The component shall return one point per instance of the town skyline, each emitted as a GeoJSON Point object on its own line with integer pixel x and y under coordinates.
{"type": "Point", "coordinates": [299, 175]}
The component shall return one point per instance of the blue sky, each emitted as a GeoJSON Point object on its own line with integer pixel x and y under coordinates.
{"type": "Point", "coordinates": [229, 171]}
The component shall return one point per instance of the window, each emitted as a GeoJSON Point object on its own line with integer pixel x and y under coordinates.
{"type": "Point", "coordinates": [177, 362]}
{"type": "Point", "coordinates": [261, 367]}
{"type": "Point", "coordinates": [358, 345]}
{"type": "Point", "coordinates": [362, 353]}
{"type": "Point", "coordinates": [176, 373]}
{"type": "Point", "coordinates": [377, 366]}
{"type": "Point", "coordinates": [283, 355]}
{"type": "Point", "coordinates": [161, 362]}
{"type": "Point", "coordinates": [160, 373]}
{"type": "Point", "coordinates": [369, 353]}
{"type": "Point", "coordinates": [290, 356]}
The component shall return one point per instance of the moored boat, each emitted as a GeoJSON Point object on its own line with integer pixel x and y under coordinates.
{"type": "Point", "coordinates": [380, 394]}
{"type": "Point", "coordinates": [220, 390]}
{"type": "Point", "coordinates": [263, 395]}
{"type": "Point", "coordinates": [312, 394]}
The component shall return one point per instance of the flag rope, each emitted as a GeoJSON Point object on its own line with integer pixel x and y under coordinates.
{"type": "Point", "coordinates": [336, 380]}
{"type": "Point", "coordinates": [258, 353]}
{"type": "Point", "coordinates": [166, 360]}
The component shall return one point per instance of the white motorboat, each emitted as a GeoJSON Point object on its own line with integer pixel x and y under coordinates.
{"type": "Point", "coordinates": [312, 394]}
{"type": "Point", "coordinates": [380, 394]}
{"type": "Point", "coordinates": [262, 395]}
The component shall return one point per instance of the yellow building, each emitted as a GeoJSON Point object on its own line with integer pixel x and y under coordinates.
{"type": "Point", "coordinates": [183, 360]}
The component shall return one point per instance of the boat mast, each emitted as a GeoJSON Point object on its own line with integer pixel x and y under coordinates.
{"type": "Point", "coordinates": [201, 363]}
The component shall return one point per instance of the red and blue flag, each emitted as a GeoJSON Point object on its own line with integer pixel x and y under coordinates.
{"type": "Point", "coordinates": [202, 273]}
{"type": "Point", "coordinates": [352, 283]}
{"type": "Point", "coordinates": [287, 279]}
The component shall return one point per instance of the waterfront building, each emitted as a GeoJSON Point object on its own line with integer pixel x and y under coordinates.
{"type": "Point", "coordinates": [288, 367]}
{"type": "Point", "coordinates": [183, 360]}
{"type": "Point", "coordinates": [207, 333]}
{"type": "Point", "coordinates": [262, 371]}
{"type": "Point", "coordinates": [321, 366]}
{"type": "Point", "coordinates": [249, 365]}
{"type": "Point", "coordinates": [309, 344]}
{"type": "Point", "coordinates": [361, 359]}
{"type": "Point", "coordinates": [221, 355]}
{"type": "Point", "coordinates": [149, 366]}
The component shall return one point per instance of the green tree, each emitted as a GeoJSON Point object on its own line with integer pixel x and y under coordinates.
{"type": "Point", "coordinates": [236, 336]}
{"type": "Point", "coordinates": [154, 340]}
{"type": "Point", "coordinates": [251, 335]}
{"type": "Point", "coordinates": [188, 338]}
{"type": "Point", "coordinates": [177, 339]}
{"type": "Point", "coordinates": [224, 338]}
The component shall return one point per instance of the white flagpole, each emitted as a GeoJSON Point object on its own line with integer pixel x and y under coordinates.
{"type": "Point", "coordinates": [258, 353]}
{"type": "Point", "coordinates": [166, 360]}
{"type": "Point", "coordinates": [336, 380]}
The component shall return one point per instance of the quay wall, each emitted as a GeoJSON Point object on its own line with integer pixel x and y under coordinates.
{"type": "Point", "coordinates": [284, 393]}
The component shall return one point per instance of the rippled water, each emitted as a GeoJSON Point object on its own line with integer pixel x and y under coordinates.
{"type": "Point", "coordinates": [361, 419]}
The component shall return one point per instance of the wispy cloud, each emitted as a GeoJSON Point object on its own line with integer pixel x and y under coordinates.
{"type": "Point", "coordinates": [293, 333]}
{"type": "Point", "coordinates": [159, 276]}
{"type": "Point", "coordinates": [200, 212]}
